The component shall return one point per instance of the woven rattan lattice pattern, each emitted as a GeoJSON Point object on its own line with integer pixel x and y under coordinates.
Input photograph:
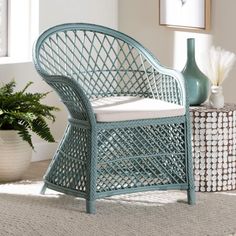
{"type": "Point", "coordinates": [72, 100]}
{"type": "Point", "coordinates": [140, 141]}
{"type": "Point", "coordinates": [105, 65]}
{"type": "Point", "coordinates": [140, 156]}
{"type": "Point", "coordinates": [94, 159]}
{"type": "Point", "coordinates": [71, 159]}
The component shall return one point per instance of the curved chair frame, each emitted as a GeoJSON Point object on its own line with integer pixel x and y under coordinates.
{"type": "Point", "coordinates": [98, 159]}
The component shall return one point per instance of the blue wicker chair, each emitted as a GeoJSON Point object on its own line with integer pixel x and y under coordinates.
{"type": "Point", "coordinates": [128, 126]}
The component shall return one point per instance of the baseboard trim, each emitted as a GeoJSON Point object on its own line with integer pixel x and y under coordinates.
{"type": "Point", "coordinates": [43, 151]}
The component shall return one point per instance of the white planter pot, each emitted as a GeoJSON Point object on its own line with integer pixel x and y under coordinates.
{"type": "Point", "coordinates": [15, 156]}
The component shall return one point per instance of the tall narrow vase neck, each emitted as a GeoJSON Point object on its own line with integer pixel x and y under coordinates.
{"type": "Point", "coordinates": [190, 50]}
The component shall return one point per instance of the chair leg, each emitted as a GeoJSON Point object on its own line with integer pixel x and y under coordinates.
{"type": "Point", "coordinates": [191, 196]}
{"type": "Point", "coordinates": [91, 173]}
{"type": "Point", "coordinates": [190, 176]}
{"type": "Point", "coordinates": [43, 190]}
{"type": "Point", "coordinates": [191, 187]}
{"type": "Point", "coordinates": [91, 207]}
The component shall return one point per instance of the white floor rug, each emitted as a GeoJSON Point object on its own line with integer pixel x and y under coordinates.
{"type": "Point", "coordinates": [23, 212]}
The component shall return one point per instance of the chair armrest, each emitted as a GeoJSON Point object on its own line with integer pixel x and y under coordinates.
{"type": "Point", "coordinates": [180, 81]}
{"type": "Point", "coordinates": [169, 83]}
{"type": "Point", "coordinates": [151, 64]}
{"type": "Point", "coordinates": [73, 96]}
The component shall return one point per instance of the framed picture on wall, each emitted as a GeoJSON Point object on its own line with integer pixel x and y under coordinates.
{"type": "Point", "coordinates": [185, 14]}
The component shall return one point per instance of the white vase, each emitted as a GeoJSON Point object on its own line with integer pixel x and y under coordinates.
{"type": "Point", "coordinates": [216, 99]}
{"type": "Point", "coordinates": [15, 156]}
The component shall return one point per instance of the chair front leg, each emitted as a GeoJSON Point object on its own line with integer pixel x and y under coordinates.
{"type": "Point", "coordinates": [91, 173]}
{"type": "Point", "coordinates": [190, 178]}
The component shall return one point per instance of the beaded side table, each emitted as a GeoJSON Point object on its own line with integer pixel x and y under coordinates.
{"type": "Point", "coordinates": [214, 147]}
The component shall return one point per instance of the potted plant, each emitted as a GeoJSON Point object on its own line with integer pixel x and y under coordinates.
{"type": "Point", "coordinates": [21, 114]}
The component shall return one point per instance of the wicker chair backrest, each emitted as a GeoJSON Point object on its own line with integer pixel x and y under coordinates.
{"type": "Point", "coordinates": [104, 62]}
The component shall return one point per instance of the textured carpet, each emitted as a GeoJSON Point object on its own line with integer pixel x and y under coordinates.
{"type": "Point", "coordinates": [161, 213]}
{"type": "Point", "coordinates": [24, 212]}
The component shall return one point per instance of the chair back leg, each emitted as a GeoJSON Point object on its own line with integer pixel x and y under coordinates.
{"type": "Point", "coordinates": [43, 190]}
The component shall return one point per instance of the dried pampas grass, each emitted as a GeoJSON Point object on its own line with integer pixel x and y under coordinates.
{"type": "Point", "coordinates": [220, 64]}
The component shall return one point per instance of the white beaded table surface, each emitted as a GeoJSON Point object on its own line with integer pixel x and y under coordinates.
{"type": "Point", "coordinates": [214, 147]}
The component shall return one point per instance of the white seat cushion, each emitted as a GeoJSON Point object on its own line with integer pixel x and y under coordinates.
{"type": "Point", "coordinates": [110, 109]}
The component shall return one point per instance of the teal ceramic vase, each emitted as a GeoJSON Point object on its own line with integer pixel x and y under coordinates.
{"type": "Point", "coordinates": [197, 83]}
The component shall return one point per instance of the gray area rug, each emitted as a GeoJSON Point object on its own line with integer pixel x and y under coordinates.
{"type": "Point", "coordinates": [24, 212]}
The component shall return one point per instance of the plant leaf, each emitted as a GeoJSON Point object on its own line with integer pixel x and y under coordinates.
{"type": "Point", "coordinates": [23, 111]}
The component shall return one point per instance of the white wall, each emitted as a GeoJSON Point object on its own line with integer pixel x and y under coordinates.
{"type": "Point", "coordinates": [139, 19]}
{"type": "Point", "coordinates": [224, 35]}
{"type": "Point", "coordinates": [54, 12]}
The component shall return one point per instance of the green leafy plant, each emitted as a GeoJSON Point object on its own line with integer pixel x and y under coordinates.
{"type": "Point", "coordinates": [24, 112]}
